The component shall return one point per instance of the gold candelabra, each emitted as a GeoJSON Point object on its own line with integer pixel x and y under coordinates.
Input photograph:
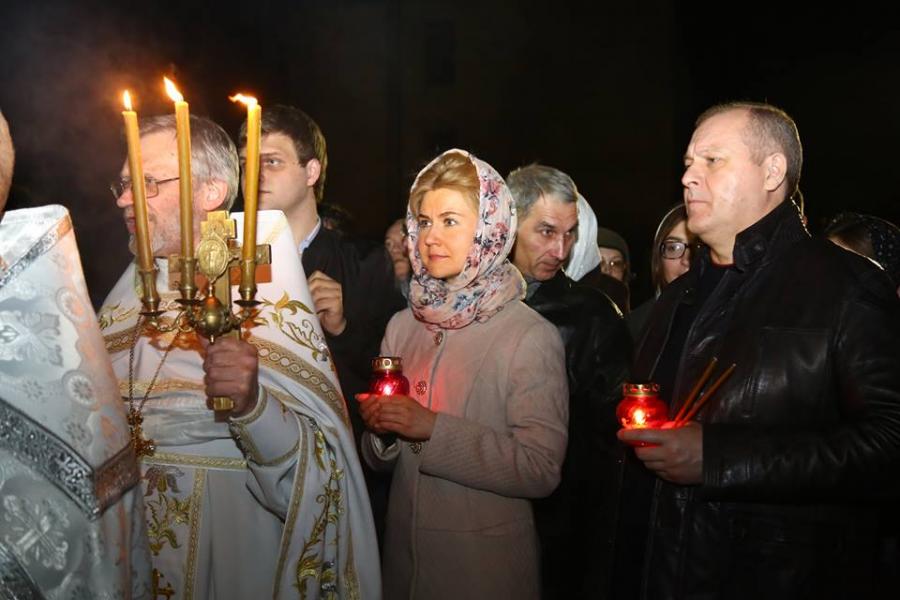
{"type": "Point", "coordinates": [206, 300]}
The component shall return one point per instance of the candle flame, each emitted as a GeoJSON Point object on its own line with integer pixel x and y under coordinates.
{"type": "Point", "coordinates": [639, 417]}
{"type": "Point", "coordinates": [126, 100]}
{"type": "Point", "coordinates": [172, 91]}
{"type": "Point", "coordinates": [247, 100]}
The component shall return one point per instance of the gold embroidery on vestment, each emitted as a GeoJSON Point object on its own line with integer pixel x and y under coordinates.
{"type": "Point", "coordinates": [311, 564]}
{"type": "Point", "coordinates": [169, 385]}
{"type": "Point", "coordinates": [286, 362]}
{"type": "Point", "coordinates": [195, 523]}
{"type": "Point", "coordinates": [110, 315]}
{"type": "Point", "coordinates": [351, 581]}
{"type": "Point", "coordinates": [166, 511]}
{"type": "Point", "coordinates": [117, 342]}
{"type": "Point", "coordinates": [191, 460]}
{"type": "Point", "coordinates": [296, 497]}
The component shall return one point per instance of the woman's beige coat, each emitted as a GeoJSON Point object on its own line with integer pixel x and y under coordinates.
{"type": "Point", "coordinates": [459, 521]}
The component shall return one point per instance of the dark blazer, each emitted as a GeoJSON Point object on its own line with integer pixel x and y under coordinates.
{"type": "Point", "coordinates": [370, 300]}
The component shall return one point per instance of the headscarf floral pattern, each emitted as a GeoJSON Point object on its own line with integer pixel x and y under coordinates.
{"type": "Point", "coordinates": [488, 280]}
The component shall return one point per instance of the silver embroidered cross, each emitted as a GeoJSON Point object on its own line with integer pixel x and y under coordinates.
{"type": "Point", "coordinates": [36, 531]}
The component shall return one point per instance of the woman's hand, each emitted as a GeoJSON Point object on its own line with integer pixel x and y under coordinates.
{"type": "Point", "coordinates": [368, 410]}
{"type": "Point", "coordinates": [397, 414]}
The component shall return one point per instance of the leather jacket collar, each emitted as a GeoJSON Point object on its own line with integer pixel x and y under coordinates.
{"type": "Point", "coordinates": [767, 238]}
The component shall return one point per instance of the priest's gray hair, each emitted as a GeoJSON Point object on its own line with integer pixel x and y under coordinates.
{"type": "Point", "coordinates": [213, 155]}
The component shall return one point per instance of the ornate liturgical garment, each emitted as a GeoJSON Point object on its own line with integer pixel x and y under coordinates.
{"type": "Point", "coordinates": [272, 504]}
{"type": "Point", "coordinates": [70, 511]}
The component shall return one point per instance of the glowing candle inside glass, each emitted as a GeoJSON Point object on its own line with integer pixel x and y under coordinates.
{"type": "Point", "coordinates": [641, 408]}
{"type": "Point", "coordinates": [387, 377]}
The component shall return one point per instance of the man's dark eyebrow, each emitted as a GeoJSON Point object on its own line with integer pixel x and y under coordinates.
{"type": "Point", "coordinates": [547, 225]}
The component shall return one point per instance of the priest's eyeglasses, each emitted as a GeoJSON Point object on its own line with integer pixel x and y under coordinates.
{"type": "Point", "coordinates": [672, 249]}
{"type": "Point", "coordinates": [151, 186]}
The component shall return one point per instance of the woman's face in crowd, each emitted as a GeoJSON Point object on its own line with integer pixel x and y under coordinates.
{"type": "Point", "coordinates": [673, 268]}
{"type": "Point", "coordinates": [395, 243]}
{"type": "Point", "coordinates": [447, 223]}
{"type": "Point", "coordinates": [612, 263]}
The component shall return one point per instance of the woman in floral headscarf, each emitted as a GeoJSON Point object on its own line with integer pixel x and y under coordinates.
{"type": "Point", "coordinates": [485, 426]}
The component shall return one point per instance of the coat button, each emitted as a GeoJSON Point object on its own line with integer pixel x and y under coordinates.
{"type": "Point", "coordinates": [438, 338]}
{"type": "Point", "coordinates": [421, 388]}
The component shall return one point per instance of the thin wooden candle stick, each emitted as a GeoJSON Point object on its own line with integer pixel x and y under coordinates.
{"type": "Point", "coordinates": [712, 390]}
{"type": "Point", "coordinates": [696, 389]}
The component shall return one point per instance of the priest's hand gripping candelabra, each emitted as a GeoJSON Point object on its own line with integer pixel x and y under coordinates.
{"type": "Point", "coordinates": [206, 300]}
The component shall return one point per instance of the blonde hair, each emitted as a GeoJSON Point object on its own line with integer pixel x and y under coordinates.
{"type": "Point", "coordinates": [454, 171]}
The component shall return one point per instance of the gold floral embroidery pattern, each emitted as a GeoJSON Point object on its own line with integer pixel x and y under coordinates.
{"type": "Point", "coordinates": [303, 333]}
{"type": "Point", "coordinates": [291, 365]}
{"type": "Point", "coordinates": [110, 315]}
{"type": "Point", "coordinates": [165, 511]}
{"type": "Point", "coordinates": [310, 565]}
{"type": "Point", "coordinates": [196, 517]}
{"type": "Point", "coordinates": [296, 497]}
{"type": "Point", "coordinates": [320, 449]}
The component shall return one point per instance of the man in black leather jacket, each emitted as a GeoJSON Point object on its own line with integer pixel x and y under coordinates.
{"type": "Point", "coordinates": [598, 349]}
{"type": "Point", "coordinates": [774, 490]}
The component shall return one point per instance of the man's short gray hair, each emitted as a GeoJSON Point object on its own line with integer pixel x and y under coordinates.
{"type": "Point", "coordinates": [769, 129]}
{"type": "Point", "coordinates": [213, 155]}
{"type": "Point", "coordinates": [529, 183]}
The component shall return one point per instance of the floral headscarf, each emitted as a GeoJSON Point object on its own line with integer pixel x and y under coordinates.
{"type": "Point", "coordinates": [488, 280]}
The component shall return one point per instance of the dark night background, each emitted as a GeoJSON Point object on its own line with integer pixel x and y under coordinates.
{"type": "Point", "coordinates": [606, 92]}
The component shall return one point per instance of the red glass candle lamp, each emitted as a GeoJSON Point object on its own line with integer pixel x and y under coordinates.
{"type": "Point", "coordinates": [387, 377]}
{"type": "Point", "coordinates": [641, 408]}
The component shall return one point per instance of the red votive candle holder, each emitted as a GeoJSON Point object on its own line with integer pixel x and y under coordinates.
{"type": "Point", "coordinates": [387, 377]}
{"type": "Point", "coordinates": [641, 408]}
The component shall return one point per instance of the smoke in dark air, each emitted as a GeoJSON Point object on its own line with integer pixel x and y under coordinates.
{"type": "Point", "coordinates": [64, 66]}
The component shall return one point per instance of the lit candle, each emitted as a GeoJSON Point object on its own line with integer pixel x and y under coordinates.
{"type": "Point", "coordinates": [641, 408]}
{"type": "Point", "coordinates": [183, 131]}
{"type": "Point", "coordinates": [251, 173]}
{"type": "Point", "coordinates": [639, 418]}
{"type": "Point", "coordinates": [387, 377]}
{"type": "Point", "coordinates": [136, 170]}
